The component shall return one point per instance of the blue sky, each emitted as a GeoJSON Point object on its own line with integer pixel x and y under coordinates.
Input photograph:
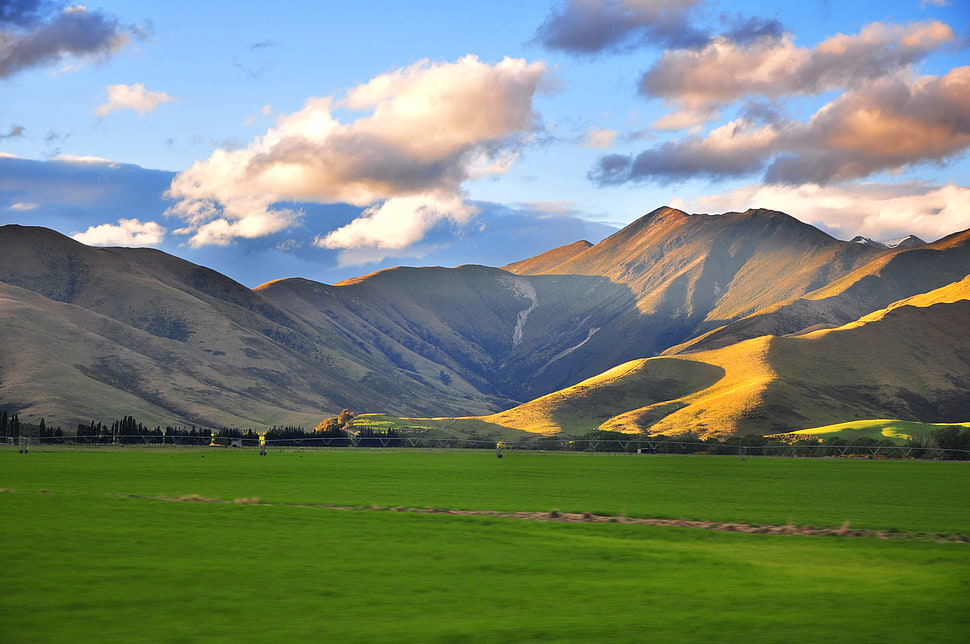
{"type": "Point", "coordinates": [327, 140]}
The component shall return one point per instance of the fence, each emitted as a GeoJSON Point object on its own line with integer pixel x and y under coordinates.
{"type": "Point", "coordinates": [633, 446]}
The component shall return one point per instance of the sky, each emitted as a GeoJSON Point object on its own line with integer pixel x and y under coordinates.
{"type": "Point", "coordinates": [328, 140]}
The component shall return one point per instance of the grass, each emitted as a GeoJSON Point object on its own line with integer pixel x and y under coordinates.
{"type": "Point", "coordinates": [91, 553]}
{"type": "Point", "coordinates": [898, 431]}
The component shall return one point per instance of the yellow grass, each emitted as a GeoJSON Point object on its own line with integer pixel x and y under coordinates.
{"type": "Point", "coordinates": [896, 430]}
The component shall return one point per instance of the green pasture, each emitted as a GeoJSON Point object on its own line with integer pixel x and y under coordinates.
{"type": "Point", "coordinates": [92, 553]}
{"type": "Point", "coordinates": [898, 431]}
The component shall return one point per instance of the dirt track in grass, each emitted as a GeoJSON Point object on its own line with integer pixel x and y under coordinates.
{"type": "Point", "coordinates": [586, 517]}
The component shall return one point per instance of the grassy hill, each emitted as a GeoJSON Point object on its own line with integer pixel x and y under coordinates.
{"type": "Point", "coordinates": [766, 324]}
{"type": "Point", "coordinates": [93, 333]}
{"type": "Point", "coordinates": [910, 361]}
{"type": "Point", "coordinates": [898, 431]}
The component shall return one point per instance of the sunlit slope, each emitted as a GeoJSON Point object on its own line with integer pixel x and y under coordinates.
{"type": "Point", "coordinates": [587, 405]}
{"type": "Point", "coordinates": [910, 361]}
{"type": "Point", "coordinates": [898, 431]}
{"type": "Point", "coordinates": [549, 260]}
{"type": "Point", "coordinates": [690, 274]}
{"type": "Point", "coordinates": [717, 267]}
{"type": "Point", "coordinates": [890, 277]}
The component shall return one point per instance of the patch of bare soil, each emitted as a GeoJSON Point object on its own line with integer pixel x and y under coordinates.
{"type": "Point", "coordinates": [573, 517]}
{"type": "Point", "coordinates": [845, 530]}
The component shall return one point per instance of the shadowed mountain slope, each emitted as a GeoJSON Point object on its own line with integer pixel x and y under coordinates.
{"type": "Point", "coordinates": [482, 330]}
{"type": "Point", "coordinates": [890, 277]}
{"type": "Point", "coordinates": [188, 345]}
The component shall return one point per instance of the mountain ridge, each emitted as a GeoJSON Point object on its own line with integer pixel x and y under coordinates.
{"type": "Point", "coordinates": [177, 343]}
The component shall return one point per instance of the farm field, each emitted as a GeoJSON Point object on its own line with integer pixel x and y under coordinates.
{"type": "Point", "coordinates": [93, 551]}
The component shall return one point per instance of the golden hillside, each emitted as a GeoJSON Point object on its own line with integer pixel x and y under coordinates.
{"type": "Point", "coordinates": [910, 360]}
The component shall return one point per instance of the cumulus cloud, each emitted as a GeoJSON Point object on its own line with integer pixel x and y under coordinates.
{"type": "Point", "coordinates": [420, 133]}
{"type": "Point", "coordinates": [591, 26]}
{"type": "Point", "coordinates": [22, 206]}
{"type": "Point", "coordinates": [731, 150]}
{"type": "Point", "coordinates": [885, 124]}
{"type": "Point", "coordinates": [127, 232]}
{"type": "Point", "coordinates": [35, 33]}
{"type": "Point", "coordinates": [399, 222]}
{"type": "Point", "coordinates": [728, 70]}
{"type": "Point", "coordinates": [131, 97]}
{"type": "Point", "coordinates": [875, 210]}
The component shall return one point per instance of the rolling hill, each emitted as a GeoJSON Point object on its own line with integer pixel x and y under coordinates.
{"type": "Point", "coordinates": [909, 361]}
{"type": "Point", "coordinates": [99, 333]}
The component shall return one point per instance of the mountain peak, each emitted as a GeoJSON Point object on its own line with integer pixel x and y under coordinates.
{"type": "Point", "coordinates": [909, 241]}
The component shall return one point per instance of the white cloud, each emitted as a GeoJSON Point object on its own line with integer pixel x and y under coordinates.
{"type": "Point", "coordinates": [424, 130]}
{"type": "Point", "coordinates": [684, 118]}
{"type": "Point", "coordinates": [131, 97]}
{"type": "Point", "coordinates": [562, 207]}
{"type": "Point", "coordinates": [882, 125]}
{"type": "Point", "coordinates": [85, 160]}
{"type": "Point", "coordinates": [371, 255]}
{"type": "Point", "coordinates": [399, 222]}
{"type": "Point", "coordinates": [221, 231]}
{"type": "Point", "coordinates": [599, 139]}
{"type": "Point", "coordinates": [875, 210]}
{"type": "Point", "coordinates": [725, 71]}
{"type": "Point", "coordinates": [127, 232]}
{"type": "Point", "coordinates": [23, 206]}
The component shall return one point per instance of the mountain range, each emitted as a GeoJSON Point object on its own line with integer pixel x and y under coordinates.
{"type": "Point", "coordinates": [718, 324]}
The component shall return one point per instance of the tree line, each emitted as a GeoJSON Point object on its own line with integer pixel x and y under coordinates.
{"type": "Point", "coordinates": [11, 427]}
{"type": "Point", "coordinates": [335, 431]}
{"type": "Point", "coordinates": [950, 442]}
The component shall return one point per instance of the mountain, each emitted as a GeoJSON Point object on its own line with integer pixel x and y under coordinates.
{"type": "Point", "coordinates": [481, 330]}
{"type": "Point", "coordinates": [548, 260]}
{"type": "Point", "coordinates": [909, 361]}
{"type": "Point", "coordinates": [891, 276]}
{"type": "Point", "coordinates": [99, 333]}
{"type": "Point", "coordinates": [903, 242]}
{"type": "Point", "coordinates": [691, 274]}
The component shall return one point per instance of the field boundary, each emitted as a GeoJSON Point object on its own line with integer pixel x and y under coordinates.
{"type": "Point", "coordinates": [631, 446]}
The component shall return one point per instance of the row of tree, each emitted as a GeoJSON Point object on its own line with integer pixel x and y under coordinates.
{"type": "Point", "coordinates": [950, 442]}
{"type": "Point", "coordinates": [11, 427]}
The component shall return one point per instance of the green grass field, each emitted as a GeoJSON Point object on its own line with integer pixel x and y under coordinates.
{"type": "Point", "coordinates": [91, 553]}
